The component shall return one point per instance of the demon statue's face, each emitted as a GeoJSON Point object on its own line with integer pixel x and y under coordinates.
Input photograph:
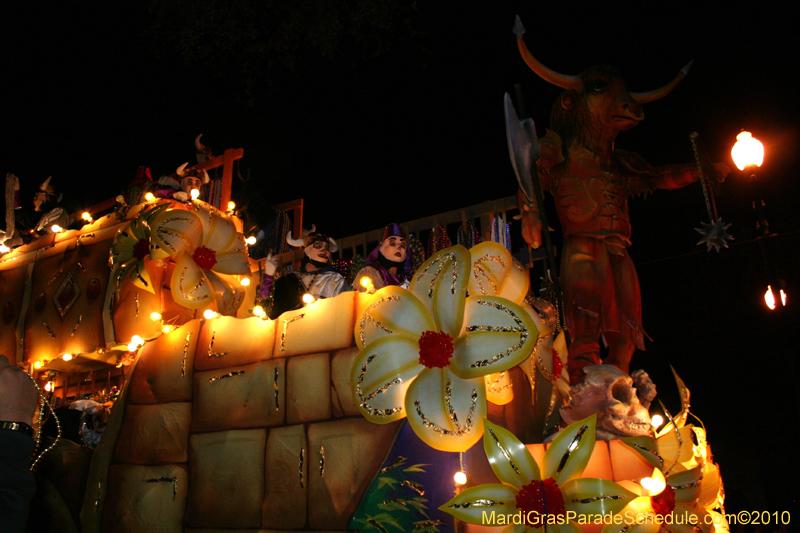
{"type": "Point", "coordinates": [610, 393]}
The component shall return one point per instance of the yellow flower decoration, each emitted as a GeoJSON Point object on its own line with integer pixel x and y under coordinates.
{"type": "Point", "coordinates": [425, 352]}
{"type": "Point", "coordinates": [495, 271]}
{"type": "Point", "coordinates": [132, 250]}
{"type": "Point", "coordinates": [208, 252]}
{"type": "Point", "coordinates": [554, 497]}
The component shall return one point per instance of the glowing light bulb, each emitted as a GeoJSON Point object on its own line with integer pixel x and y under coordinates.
{"type": "Point", "coordinates": [783, 298]}
{"type": "Point", "coordinates": [231, 206]}
{"type": "Point", "coordinates": [86, 216]}
{"type": "Point", "coordinates": [460, 478]}
{"type": "Point", "coordinates": [653, 485]}
{"type": "Point", "coordinates": [769, 297]}
{"type": "Point", "coordinates": [56, 228]}
{"type": "Point", "coordinates": [366, 283]}
{"type": "Point", "coordinates": [67, 357]}
{"type": "Point", "coordinates": [137, 340]}
{"type": "Point", "coordinates": [195, 193]}
{"type": "Point", "coordinates": [4, 249]}
{"type": "Point", "coordinates": [251, 240]}
{"type": "Point", "coordinates": [209, 314]}
{"type": "Point", "coordinates": [37, 365]}
{"type": "Point", "coordinates": [748, 151]}
{"type": "Point", "coordinates": [155, 316]}
{"type": "Point", "coordinates": [259, 311]}
{"type": "Point", "coordinates": [245, 282]}
{"type": "Point", "coordinates": [166, 328]}
{"type": "Point", "coordinates": [307, 298]}
{"type": "Point", "coordinates": [149, 197]}
{"type": "Point", "coordinates": [48, 386]}
{"type": "Point", "coordinates": [656, 421]}
{"type": "Point", "coordinates": [132, 346]}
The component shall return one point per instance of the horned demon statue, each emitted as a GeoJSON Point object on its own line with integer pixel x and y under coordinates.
{"type": "Point", "coordinates": [590, 182]}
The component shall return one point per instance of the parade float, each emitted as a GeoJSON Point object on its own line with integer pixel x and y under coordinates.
{"type": "Point", "coordinates": [446, 406]}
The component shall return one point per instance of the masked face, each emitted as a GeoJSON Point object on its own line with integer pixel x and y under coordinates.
{"type": "Point", "coordinates": [319, 251]}
{"type": "Point", "coordinates": [190, 182]}
{"type": "Point", "coordinates": [394, 249]}
{"type": "Point", "coordinates": [38, 199]}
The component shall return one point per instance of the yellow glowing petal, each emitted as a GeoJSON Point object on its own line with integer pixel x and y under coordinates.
{"type": "Point", "coordinates": [590, 496]}
{"type": "Point", "coordinates": [570, 451]}
{"type": "Point", "coordinates": [675, 447]}
{"type": "Point", "coordinates": [510, 460]}
{"type": "Point", "coordinates": [141, 277]}
{"type": "Point", "coordinates": [686, 484]}
{"type": "Point", "coordinates": [448, 421]}
{"type": "Point", "coordinates": [636, 518]}
{"type": "Point", "coordinates": [176, 230]}
{"type": "Point", "coordinates": [710, 487]}
{"type": "Point", "coordinates": [497, 335]}
{"type": "Point", "coordinates": [495, 272]}
{"type": "Point", "coordinates": [392, 310]}
{"type": "Point", "coordinates": [441, 285]}
{"type": "Point", "coordinates": [381, 375]}
{"type": "Point", "coordinates": [228, 292]}
{"type": "Point", "coordinates": [683, 391]}
{"type": "Point", "coordinates": [221, 234]}
{"type": "Point", "coordinates": [647, 448]}
{"type": "Point", "coordinates": [189, 285]}
{"type": "Point", "coordinates": [232, 263]}
{"type": "Point", "coordinates": [499, 389]}
{"type": "Point", "coordinates": [469, 505]}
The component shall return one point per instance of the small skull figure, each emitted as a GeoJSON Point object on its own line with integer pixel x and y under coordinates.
{"type": "Point", "coordinates": [610, 393]}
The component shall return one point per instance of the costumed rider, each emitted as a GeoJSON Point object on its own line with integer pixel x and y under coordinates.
{"type": "Point", "coordinates": [180, 185]}
{"type": "Point", "coordinates": [388, 264]}
{"type": "Point", "coordinates": [315, 277]}
{"type": "Point", "coordinates": [20, 225]}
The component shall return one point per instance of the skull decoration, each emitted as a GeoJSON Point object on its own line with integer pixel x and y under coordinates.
{"type": "Point", "coordinates": [610, 393]}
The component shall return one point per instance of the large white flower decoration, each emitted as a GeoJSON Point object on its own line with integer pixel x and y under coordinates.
{"type": "Point", "coordinates": [425, 352]}
{"type": "Point", "coordinates": [208, 252]}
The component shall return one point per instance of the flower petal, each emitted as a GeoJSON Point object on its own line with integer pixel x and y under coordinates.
{"type": "Point", "coordinates": [484, 504]}
{"type": "Point", "coordinates": [498, 335]}
{"type": "Point", "coordinates": [228, 292]}
{"type": "Point", "coordinates": [141, 277]}
{"type": "Point", "coordinates": [646, 447]}
{"type": "Point", "coordinates": [445, 411]}
{"type": "Point", "coordinates": [509, 458]}
{"type": "Point", "coordinates": [392, 310]}
{"type": "Point", "coordinates": [495, 272]}
{"type": "Point", "coordinates": [381, 374]}
{"type": "Point", "coordinates": [219, 231]}
{"type": "Point", "coordinates": [232, 263]}
{"type": "Point", "coordinates": [570, 451]}
{"type": "Point", "coordinates": [441, 285]}
{"type": "Point", "coordinates": [592, 497]}
{"type": "Point", "coordinates": [499, 388]}
{"type": "Point", "coordinates": [189, 285]}
{"type": "Point", "coordinates": [686, 484]}
{"type": "Point", "coordinates": [711, 487]}
{"type": "Point", "coordinates": [675, 446]}
{"type": "Point", "coordinates": [176, 230]}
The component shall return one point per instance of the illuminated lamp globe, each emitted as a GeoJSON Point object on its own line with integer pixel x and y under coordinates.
{"type": "Point", "coordinates": [231, 206]}
{"type": "Point", "coordinates": [149, 197]}
{"type": "Point", "coordinates": [132, 346]}
{"type": "Point", "coordinates": [307, 298]}
{"type": "Point", "coordinates": [748, 151]}
{"type": "Point", "coordinates": [245, 282]}
{"type": "Point", "coordinates": [67, 357]}
{"type": "Point", "coordinates": [37, 365]}
{"type": "Point", "coordinates": [208, 314]}
{"type": "Point", "coordinates": [259, 311]}
{"type": "Point", "coordinates": [56, 228]}
{"type": "Point", "coordinates": [653, 485]}
{"type": "Point", "coordinates": [167, 328]}
{"type": "Point", "coordinates": [251, 240]}
{"type": "Point", "coordinates": [4, 249]}
{"type": "Point", "coordinates": [195, 194]}
{"type": "Point", "coordinates": [48, 386]}
{"type": "Point", "coordinates": [137, 340]}
{"type": "Point", "coordinates": [155, 316]}
{"type": "Point", "coordinates": [460, 478]}
{"type": "Point", "coordinates": [656, 421]}
{"type": "Point", "coordinates": [86, 216]}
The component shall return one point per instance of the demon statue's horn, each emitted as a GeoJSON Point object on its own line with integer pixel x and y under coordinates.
{"type": "Point", "coordinates": [297, 243]}
{"type": "Point", "coordinates": [643, 98]}
{"type": "Point", "coordinates": [181, 170]}
{"type": "Point", "coordinates": [559, 80]}
{"type": "Point", "coordinates": [197, 144]}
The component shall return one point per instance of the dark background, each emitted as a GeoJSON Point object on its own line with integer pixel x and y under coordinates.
{"type": "Point", "coordinates": [391, 111]}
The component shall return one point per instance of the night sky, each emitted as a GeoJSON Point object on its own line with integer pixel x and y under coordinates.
{"type": "Point", "coordinates": [399, 116]}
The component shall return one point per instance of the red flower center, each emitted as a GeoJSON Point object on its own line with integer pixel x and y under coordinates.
{"type": "Point", "coordinates": [538, 499]}
{"type": "Point", "coordinates": [141, 249]}
{"type": "Point", "coordinates": [664, 502]}
{"type": "Point", "coordinates": [435, 349]}
{"type": "Point", "coordinates": [205, 258]}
